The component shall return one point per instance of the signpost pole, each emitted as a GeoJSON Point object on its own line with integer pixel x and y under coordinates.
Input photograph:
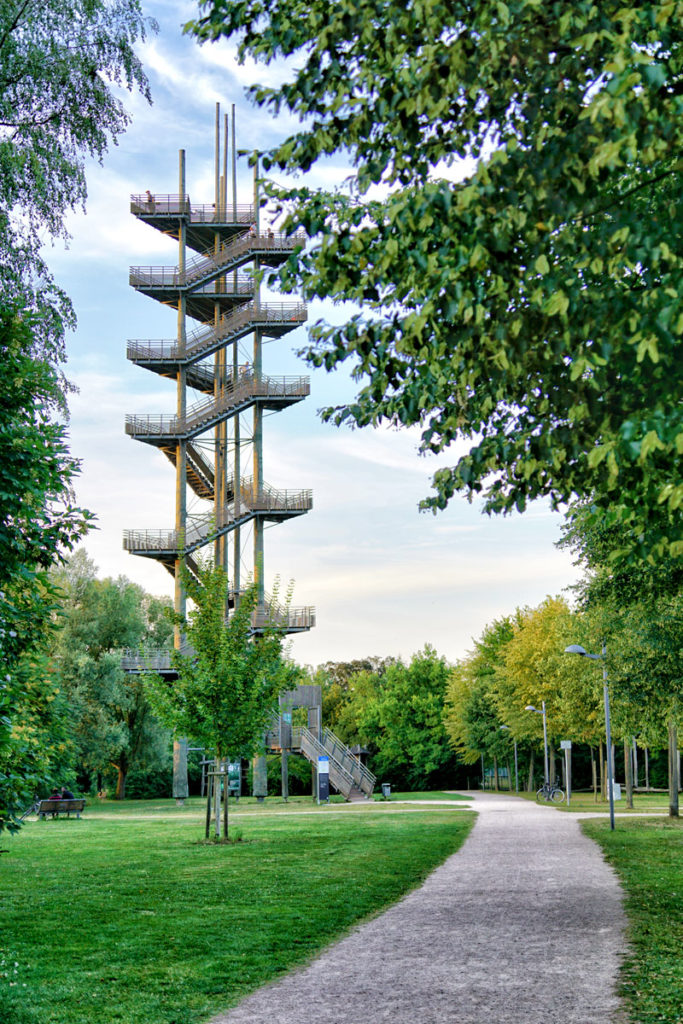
{"type": "Point", "coordinates": [566, 746]}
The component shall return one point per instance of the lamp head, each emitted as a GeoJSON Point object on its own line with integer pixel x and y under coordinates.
{"type": "Point", "coordinates": [578, 649]}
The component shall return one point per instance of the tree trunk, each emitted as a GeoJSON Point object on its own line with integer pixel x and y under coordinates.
{"type": "Point", "coordinates": [601, 762]}
{"type": "Point", "coordinates": [495, 774]}
{"type": "Point", "coordinates": [180, 790]}
{"type": "Point", "coordinates": [647, 769]}
{"type": "Point", "coordinates": [530, 780]}
{"type": "Point", "coordinates": [594, 776]}
{"type": "Point", "coordinates": [209, 783]}
{"type": "Point", "coordinates": [121, 775]}
{"type": "Point", "coordinates": [673, 770]}
{"type": "Point", "coordinates": [284, 775]}
{"type": "Point", "coordinates": [217, 797]}
{"type": "Point", "coordinates": [628, 774]}
{"type": "Point", "coordinates": [551, 764]}
{"type": "Point", "coordinates": [260, 777]}
{"type": "Point", "coordinates": [509, 777]}
{"type": "Point", "coordinates": [226, 797]}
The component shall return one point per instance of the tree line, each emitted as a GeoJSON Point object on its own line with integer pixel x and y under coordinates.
{"type": "Point", "coordinates": [422, 723]}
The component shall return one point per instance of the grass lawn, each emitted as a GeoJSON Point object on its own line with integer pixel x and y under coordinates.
{"type": "Point", "coordinates": [127, 916]}
{"type": "Point", "coordinates": [642, 803]}
{"type": "Point", "coordinates": [648, 857]}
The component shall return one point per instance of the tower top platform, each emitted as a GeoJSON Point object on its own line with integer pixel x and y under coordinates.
{"type": "Point", "coordinates": [202, 221]}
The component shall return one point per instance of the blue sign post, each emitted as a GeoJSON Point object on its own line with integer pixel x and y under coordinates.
{"type": "Point", "coordinates": [323, 779]}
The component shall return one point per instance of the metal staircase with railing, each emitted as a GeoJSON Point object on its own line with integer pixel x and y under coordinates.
{"type": "Point", "coordinates": [348, 774]}
{"type": "Point", "coordinates": [221, 389]}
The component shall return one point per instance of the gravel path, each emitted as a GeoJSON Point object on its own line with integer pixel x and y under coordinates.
{"type": "Point", "coordinates": [524, 925]}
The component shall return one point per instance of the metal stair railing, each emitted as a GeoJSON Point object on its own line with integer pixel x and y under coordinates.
{"type": "Point", "coordinates": [170, 277]}
{"type": "Point", "coordinates": [312, 748]}
{"type": "Point", "coordinates": [203, 414]}
{"type": "Point", "coordinates": [167, 204]}
{"type": "Point", "coordinates": [271, 614]}
{"type": "Point", "coordinates": [149, 659]}
{"type": "Point", "coordinates": [205, 340]}
{"type": "Point", "coordinates": [362, 776]}
{"type": "Point", "coordinates": [213, 262]}
{"type": "Point", "coordinates": [206, 527]}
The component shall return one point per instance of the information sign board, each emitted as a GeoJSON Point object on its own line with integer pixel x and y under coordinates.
{"type": "Point", "coordinates": [235, 777]}
{"type": "Point", "coordinates": [323, 778]}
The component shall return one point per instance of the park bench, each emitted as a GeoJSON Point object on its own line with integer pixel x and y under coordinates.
{"type": "Point", "coordinates": [57, 807]}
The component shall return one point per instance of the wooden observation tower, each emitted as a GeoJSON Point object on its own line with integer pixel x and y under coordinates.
{"type": "Point", "coordinates": [214, 439]}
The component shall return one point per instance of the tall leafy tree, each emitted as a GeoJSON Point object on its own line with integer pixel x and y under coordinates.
{"type": "Point", "coordinates": [110, 718]}
{"type": "Point", "coordinates": [522, 277]}
{"type": "Point", "coordinates": [61, 63]}
{"type": "Point", "coordinates": [399, 718]}
{"type": "Point", "coordinates": [636, 610]}
{"type": "Point", "coordinates": [475, 723]}
{"type": "Point", "coordinates": [39, 520]}
{"type": "Point", "coordinates": [228, 679]}
{"type": "Point", "coordinates": [342, 685]}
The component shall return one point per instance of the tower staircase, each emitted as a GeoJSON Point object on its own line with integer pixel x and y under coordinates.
{"type": "Point", "coordinates": [214, 437]}
{"type": "Point", "coordinates": [348, 774]}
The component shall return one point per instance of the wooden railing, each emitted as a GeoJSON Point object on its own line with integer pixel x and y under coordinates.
{"type": "Point", "coordinates": [346, 770]}
{"type": "Point", "coordinates": [155, 659]}
{"type": "Point", "coordinates": [274, 615]}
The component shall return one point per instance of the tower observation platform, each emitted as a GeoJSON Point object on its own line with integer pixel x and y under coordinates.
{"type": "Point", "coordinates": [214, 436]}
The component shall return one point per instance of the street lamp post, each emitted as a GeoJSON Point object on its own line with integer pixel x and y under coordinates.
{"type": "Point", "coordinates": [577, 649]}
{"type": "Point", "coordinates": [514, 742]}
{"type": "Point", "coordinates": [546, 771]}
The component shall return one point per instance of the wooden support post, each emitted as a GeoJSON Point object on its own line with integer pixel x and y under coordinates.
{"type": "Point", "coordinates": [628, 774]}
{"type": "Point", "coordinates": [674, 784]}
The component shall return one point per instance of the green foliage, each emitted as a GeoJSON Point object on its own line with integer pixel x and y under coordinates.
{"type": "Point", "coordinates": [110, 718]}
{"type": "Point", "coordinates": [527, 300]}
{"type": "Point", "coordinates": [472, 717]}
{"type": "Point", "coordinates": [518, 661]}
{"type": "Point", "coordinates": [62, 65]}
{"type": "Point", "coordinates": [343, 685]}
{"type": "Point", "coordinates": [299, 771]}
{"type": "Point", "coordinates": [229, 680]}
{"type": "Point", "coordinates": [399, 718]}
{"type": "Point", "coordinates": [637, 611]}
{"type": "Point", "coordinates": [39, 522]}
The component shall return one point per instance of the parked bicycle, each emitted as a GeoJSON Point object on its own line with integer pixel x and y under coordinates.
{"type": "Point", "coordinates": [551, 793]}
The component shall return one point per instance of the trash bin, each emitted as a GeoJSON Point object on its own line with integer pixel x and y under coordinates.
{"type": "Point", "coordinates": [386, 790]}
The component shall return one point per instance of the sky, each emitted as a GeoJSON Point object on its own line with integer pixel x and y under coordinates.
{"type": "Point", "coordinates": [384, 578]}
